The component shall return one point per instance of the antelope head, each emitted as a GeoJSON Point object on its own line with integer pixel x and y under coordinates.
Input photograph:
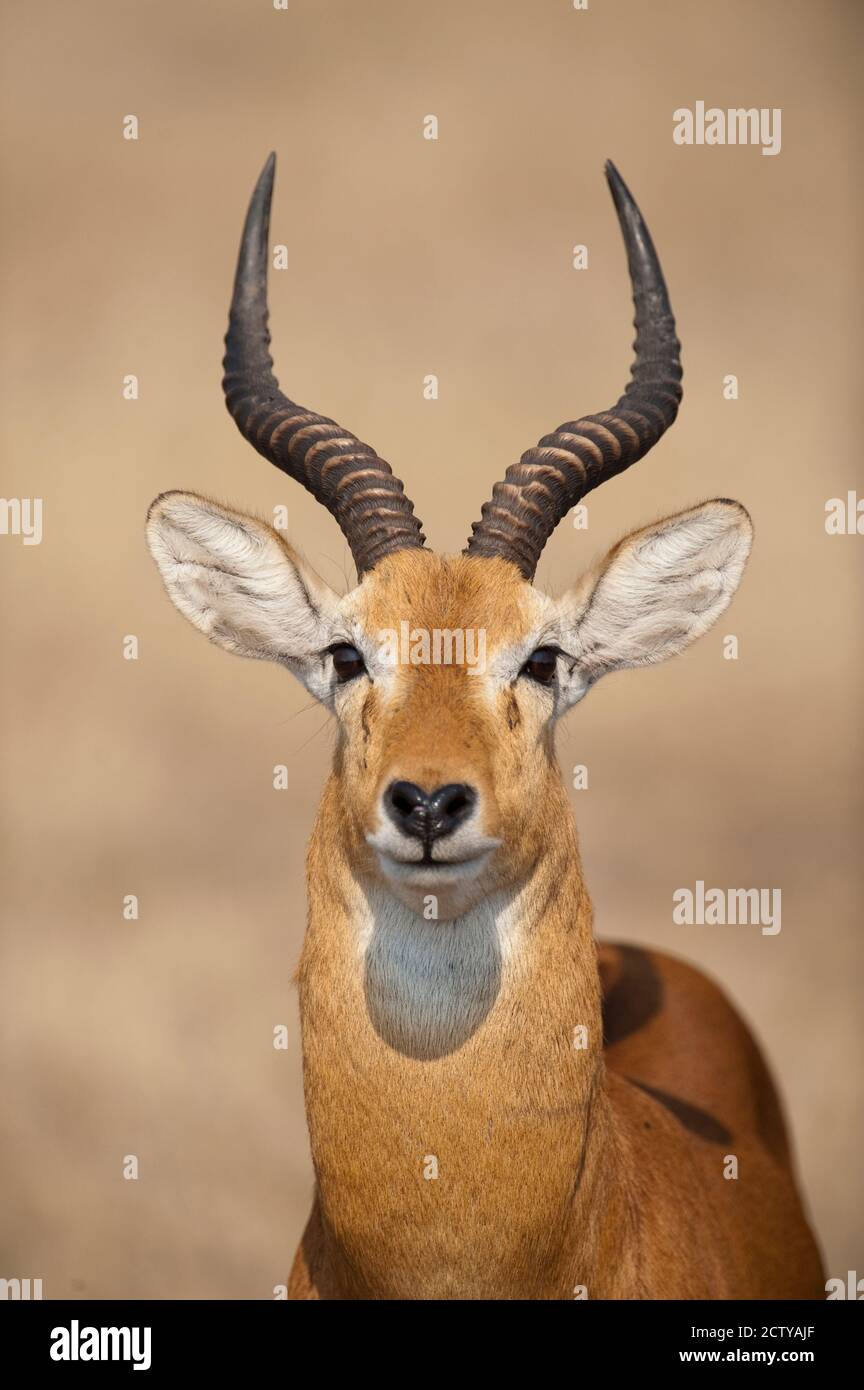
{"type": "Point", "coordinates": [446, 674]}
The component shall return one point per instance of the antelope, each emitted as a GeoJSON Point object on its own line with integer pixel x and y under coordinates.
{"type": "Point", "coordinates": [498, 1107]}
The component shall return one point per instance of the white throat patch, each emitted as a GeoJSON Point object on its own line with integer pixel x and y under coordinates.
{"type": "Point", "coordinates": [429, 985]}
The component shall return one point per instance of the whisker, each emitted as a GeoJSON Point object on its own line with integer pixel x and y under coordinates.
{"type": "Point", "coordinates": [315, 735]}
{"type": "Point", "coordinates": [304, 709]}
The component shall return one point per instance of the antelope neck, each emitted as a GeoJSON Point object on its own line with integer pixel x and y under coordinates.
{"type": "Point", "coordinates": [450, 1106]}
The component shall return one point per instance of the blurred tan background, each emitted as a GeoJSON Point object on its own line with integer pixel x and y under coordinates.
{"type": "Point", "coordinates": [406, 257]}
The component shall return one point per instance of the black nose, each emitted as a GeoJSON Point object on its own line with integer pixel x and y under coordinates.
{"type": "Point", "coordinates": [429, 815]}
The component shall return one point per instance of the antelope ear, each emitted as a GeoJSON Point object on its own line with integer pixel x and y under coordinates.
{"type": "Point", "coordinates": [238, 582]}
{"type": "Point", "coordinates": [655, 593]}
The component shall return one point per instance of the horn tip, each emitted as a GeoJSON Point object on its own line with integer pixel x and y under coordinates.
{"type": "Point", "coordinates": [267, 176]}
{"type": "Point", "coordinates": [617, 187]}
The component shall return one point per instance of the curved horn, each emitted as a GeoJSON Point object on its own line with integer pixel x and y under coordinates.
{"type": "Point", "coordinates": [580, 455]}
{"type": "Point", "coordinates": [353, 483]}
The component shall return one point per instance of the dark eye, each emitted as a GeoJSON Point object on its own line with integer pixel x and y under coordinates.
{"type": "Point", "coordinates": [542, 665]}
{"type": "Point", "coordinates": [347, 662]}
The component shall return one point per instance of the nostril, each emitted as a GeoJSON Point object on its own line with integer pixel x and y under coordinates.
{"type": "Point", "coordinates": [405, 797]}
{"type": "Point", "coordinates": [408, 807]}
{"type": "Point", "coordinates": [450, 806]}
{"type": "Point", "coordinates": [456, 802]}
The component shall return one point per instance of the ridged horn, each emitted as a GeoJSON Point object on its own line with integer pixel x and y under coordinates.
{"type": "Point", "coordinates": [581, 454]}
{"type": "Point", "coordinates": [347, 476]}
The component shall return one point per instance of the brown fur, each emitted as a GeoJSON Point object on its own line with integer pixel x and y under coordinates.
{"type": "Point", "coordinates": [558, 1169]}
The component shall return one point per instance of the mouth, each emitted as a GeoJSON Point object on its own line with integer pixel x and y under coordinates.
{"type": "Point", "coordinates": [427, 862]}
{"type": "Point", "coordinates": [428, 868]}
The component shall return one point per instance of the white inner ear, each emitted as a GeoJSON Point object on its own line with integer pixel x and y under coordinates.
{"type": "Point", "coordinates": [237, 581]}
{"type": "Point", "coordinates": [656, 592]}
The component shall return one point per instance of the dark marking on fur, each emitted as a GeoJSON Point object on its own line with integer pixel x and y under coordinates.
{"type": "Point", "coordinates": [364, 725]}
{"type": "Point", "coordinates": [635, 998]}
{"type": "Point", "coordinates": [698, 1121]}
{"type": "Point", "coordinates": [514, 717]}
